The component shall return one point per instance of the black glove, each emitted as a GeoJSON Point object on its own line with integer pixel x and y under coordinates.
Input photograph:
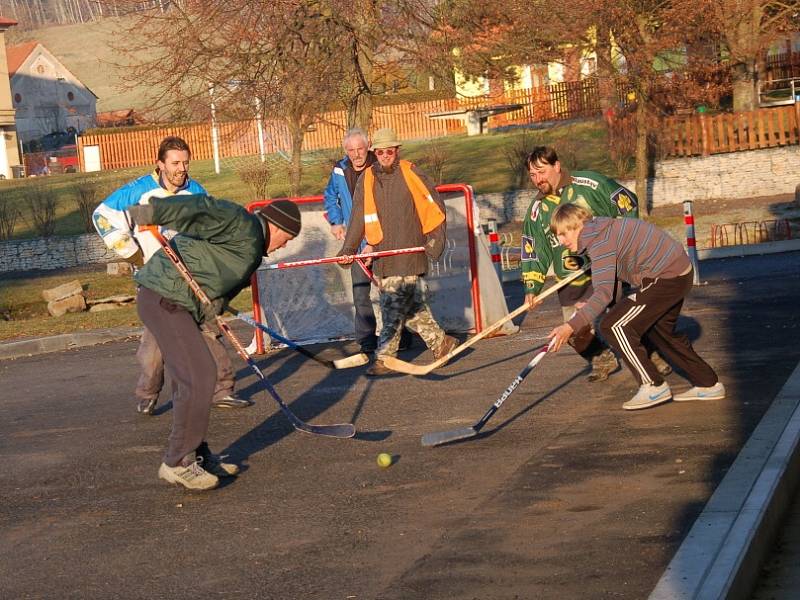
{"type": "Point", "coordinates": [213, 309]}
{"type": "Point", "coordinates": [141, 214]}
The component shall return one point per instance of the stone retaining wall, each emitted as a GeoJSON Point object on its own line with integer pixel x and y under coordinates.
{"type": "Point", "coordinates": [735, 175]}
{"type": "Point", "coordinates": [53, 253]}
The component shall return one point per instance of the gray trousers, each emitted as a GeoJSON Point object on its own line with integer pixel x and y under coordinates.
{"type": "Point", "coordinates": [151, 363]}
{"type": "Point", "coordinates": [189, 364]}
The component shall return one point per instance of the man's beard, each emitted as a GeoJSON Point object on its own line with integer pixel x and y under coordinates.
{"type": "Point", "coordinates": [390, 169]}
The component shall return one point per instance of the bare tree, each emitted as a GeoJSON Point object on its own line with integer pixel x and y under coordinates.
{"type": "Point", "coordinates": [749, 28]}
{"type": "Point", "coordinates": [288, 54]}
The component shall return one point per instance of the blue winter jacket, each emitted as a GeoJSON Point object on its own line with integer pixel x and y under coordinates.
{"type": "Point", "coordinates": [338, 199]}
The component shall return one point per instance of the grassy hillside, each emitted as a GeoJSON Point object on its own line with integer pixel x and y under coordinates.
{"type": "Point", "coordinates": [84, 49]}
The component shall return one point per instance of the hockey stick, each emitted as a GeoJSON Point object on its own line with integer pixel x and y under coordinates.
{"type": "Point", "coordinates": [347, 257]}
{"type": "Point", "coordinates": [368, 272]}
{"type": "Point", "coordinates": [444, 437]}
{"type": "Point", "coordinates": [341, 363]}
{"type": "Point", "coordinates": [401, 366]}
{"type": "Point", "coordinates": [344, 430]}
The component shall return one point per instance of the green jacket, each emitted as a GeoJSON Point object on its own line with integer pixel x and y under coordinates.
{"type": "Point", "coordinates": [220, 242]}
{"type": "Point", "coordinates": [540, 250]}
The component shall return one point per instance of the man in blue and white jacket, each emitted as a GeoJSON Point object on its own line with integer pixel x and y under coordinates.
{"type": "Point", "coordinates": [170, 177]}
{"type": "Point", "coordinates": [339, 205]}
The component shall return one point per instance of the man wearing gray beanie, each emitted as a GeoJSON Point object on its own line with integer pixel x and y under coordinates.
{"type": "Point", "coordinates": [222, 245]}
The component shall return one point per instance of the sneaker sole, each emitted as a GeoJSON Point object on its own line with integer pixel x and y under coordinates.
{"type": "Point", "coordinates": [693, 398]}
{"type": "Point", "coordinates": [170, 478]}
{"type": "Point", "coordinates": [642, 405]}
{"type": "Point", "coordinates": [229, 404]}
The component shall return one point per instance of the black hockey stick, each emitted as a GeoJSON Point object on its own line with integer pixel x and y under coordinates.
{"type": "Point", "coordinates": [443, 437]}
{"type": "Point", "coordinates": [344, 430]}
{"type": "Point", "coordinates": [341, 363]}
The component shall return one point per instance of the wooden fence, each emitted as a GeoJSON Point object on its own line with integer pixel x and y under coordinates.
{"type": "Point", "coordinates": [703, 135]}
{"type": "Point", "coordinates": [558, 101]}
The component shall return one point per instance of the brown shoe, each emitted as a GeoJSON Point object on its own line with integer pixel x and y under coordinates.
{"type": "Point", "coordinates": [603, 365]}
{"type": "Point", "coordinates": [445, 347]}
{"type": "Point", "coordinates": [377, 369]}
{"type": "Point", "coordinates": [663, 366]}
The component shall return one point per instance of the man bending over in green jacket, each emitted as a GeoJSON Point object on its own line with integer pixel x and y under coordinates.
{"type": "Point", "coordinates": [222, 245]}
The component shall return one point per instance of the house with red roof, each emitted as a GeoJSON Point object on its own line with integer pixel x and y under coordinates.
{"type": "Point", "coordinates": [9, 153]}
{"type": "Point", "coordinates": [47, 97]}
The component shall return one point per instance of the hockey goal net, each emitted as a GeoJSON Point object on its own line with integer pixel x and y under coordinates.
{"type": "Point", "coordinates": [314, 304]}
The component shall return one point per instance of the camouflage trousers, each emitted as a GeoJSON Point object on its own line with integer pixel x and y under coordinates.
{"type": "Point", "coordinates": [403, 303]}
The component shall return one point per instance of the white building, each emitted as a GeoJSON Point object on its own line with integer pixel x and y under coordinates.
{"type": "Point", "coordinates": [9, 156]}
{"type": "Point", "coordinates": [46, 96]}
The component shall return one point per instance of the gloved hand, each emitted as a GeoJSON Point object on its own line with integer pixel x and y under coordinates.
{"type": "Point", "coordinates": [213, 309]}
{"type": "Point", "coordinates": [141, 214]}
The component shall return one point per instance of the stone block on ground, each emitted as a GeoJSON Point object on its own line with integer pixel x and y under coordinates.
{"type": "Point", "coordinates": [63, 291]}
{"type": "Point", "coordinates": [104, 306]}
{"type": "Point", "coordinates": [74, 303]}
{"type": "Point", "coordinates": [119, 268]}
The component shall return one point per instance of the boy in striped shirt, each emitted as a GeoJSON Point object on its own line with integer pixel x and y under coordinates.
{"type": "Point", "coordinates": [657, 266]}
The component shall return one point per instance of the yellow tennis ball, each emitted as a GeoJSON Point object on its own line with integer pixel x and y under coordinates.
{"type": "Point", "coordinates": [384, 460]}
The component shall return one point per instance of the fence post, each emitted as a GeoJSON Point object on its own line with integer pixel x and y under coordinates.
{"type": "Point", "coordinates": [494, 248]}
{"type": "Point", "coordinates": [691, 244]}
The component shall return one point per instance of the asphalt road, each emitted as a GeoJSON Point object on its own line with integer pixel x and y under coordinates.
{"type": "Point", "coordinates": [564, 496]}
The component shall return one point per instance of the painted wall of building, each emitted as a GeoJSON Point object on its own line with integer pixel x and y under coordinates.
{"type": "Point", "coordinates": [48, 98]}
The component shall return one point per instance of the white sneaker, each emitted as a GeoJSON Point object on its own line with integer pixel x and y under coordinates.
{"type": "Point", "coordinates": [649, 395]}
{"type": "Point", "coordinates": [192, 476]}
{"type": "Point", "coordinates": [715, 392]}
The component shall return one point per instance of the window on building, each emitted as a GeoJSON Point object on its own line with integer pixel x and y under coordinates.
{"type": "Point", "coordinates": [70, 96]}
{"type": "Point", "coordinates": [18, 98]}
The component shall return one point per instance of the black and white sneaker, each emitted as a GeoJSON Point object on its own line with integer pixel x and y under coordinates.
{"type": "Point", "coordinates": [214, 463]}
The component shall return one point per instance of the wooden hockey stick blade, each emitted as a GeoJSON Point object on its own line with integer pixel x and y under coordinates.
{"type": "Point", "coordinates": [356, 360]}
{"type": "Point", "coordinates": [401, 366]}
{"type": "Point", "coordinates": [437, 438]}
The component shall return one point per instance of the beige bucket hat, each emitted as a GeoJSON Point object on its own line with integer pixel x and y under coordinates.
{"type": "Point", "coordinates": [385, 138]}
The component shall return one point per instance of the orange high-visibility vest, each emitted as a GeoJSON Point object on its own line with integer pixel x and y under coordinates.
{"type": "Point", "coordinates": [429, 213]}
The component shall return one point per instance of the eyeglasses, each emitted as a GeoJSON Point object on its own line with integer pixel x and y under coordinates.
{"type": "Point", "coordinates": [386, 151]}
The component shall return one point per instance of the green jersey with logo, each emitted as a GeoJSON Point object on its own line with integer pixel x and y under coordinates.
{"type": "Point", "coordinates": [600, 195]}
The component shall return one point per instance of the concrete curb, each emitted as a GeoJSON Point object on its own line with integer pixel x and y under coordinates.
{"type": "Point", "coordinates": [56, 343]}
{"type": "Point", "coordinates": [722, 555]}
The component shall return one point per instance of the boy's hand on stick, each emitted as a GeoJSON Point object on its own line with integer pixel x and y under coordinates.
{"type": "Point", "coordinates": [560, 335]}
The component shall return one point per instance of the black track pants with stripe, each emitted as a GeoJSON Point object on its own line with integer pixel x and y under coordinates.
{"type": "Point", "coordinates": [651, 313]}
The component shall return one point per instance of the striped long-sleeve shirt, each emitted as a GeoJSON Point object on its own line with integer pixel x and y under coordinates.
{"type": "Point", "coordinates": [626, 250]}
